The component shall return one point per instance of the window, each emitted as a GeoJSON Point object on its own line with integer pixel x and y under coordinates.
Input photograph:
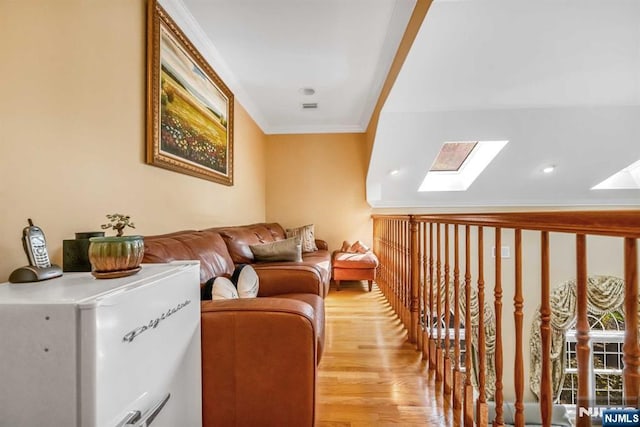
{"type": "Point", "coordinates": [606, 336]}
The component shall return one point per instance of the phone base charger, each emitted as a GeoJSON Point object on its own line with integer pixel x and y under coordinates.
{"type": "Point", "coordinates": [30, 273]}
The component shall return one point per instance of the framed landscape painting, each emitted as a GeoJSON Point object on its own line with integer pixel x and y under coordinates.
{"type": "Point", "coordinates": [189, 108]}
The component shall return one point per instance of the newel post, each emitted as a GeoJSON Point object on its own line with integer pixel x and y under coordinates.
{"type": "Point", "coordinates": [415, 279]}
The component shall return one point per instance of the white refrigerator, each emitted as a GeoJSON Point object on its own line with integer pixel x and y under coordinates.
{"type": "Point", "coordinates": [78, 351]}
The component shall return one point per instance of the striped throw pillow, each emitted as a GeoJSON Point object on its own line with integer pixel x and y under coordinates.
{"type": "Point", "coordinates": [307, 237]}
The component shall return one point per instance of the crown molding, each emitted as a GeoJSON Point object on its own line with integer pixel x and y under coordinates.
{"type": "Point", "coordinates": [306, 129]}
{"type": "Point", "coordinates": [192, 29]}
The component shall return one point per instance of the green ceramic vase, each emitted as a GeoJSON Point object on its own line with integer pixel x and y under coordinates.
{"type": "Point", "coordinates": [115, 254]}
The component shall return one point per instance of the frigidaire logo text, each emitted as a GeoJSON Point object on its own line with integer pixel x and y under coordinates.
{"type": "Point", "coordinates": [153, 323]}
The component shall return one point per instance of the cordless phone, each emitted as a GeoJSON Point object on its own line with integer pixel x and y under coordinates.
{"type": "Point", "coordinates": [35, 245]}
{"type": "Point", "coordinates": [39, 268]}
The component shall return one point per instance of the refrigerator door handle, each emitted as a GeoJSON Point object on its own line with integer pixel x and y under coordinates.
{"type": "Point", "coordinates": [129, 419]}
{"type": "Point", "coordinates": [150, 415]}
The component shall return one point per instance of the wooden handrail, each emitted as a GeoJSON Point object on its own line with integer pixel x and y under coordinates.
{"type": "Point", "coordinates": [607, 223]}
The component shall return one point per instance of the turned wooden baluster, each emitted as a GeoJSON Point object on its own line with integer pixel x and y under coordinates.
{"type": "Point", "coordinates": [447, 316]}
{"type": "Point", "coordinates": [432, 342]}
{"type": "Point", "coordinates": [401, 277]}
{"type": "Point", "coordinates": [396, 268]}
{"type": "Point", "coordinates": [583, 350]}
{"type": "Point", "coordinates": [499, 419]}
{"type": "Point", "coordinates": [545, 335]}
{"type": "Point", "coordinates": [388, 269]}
{"type": "Point", "coordinates": [414, 332]}
{"type": "Point", "coordinates": [457, 377]}
{"type": "Point", "coordinates": [420, 335]}
{"type": "Point", "coordinates": [631, 358]}
{"type": "Point", "coordinates": [402, 282]}
{"type": "Point", "coordinates": [468, 387]}
{"type": "Point", "coordinates": [483, 411]}
{"type": "Point", "coordinates": [384, 262]}
{"type": "Point", "coordinates": [518, 315]}
{"type": "Point", "coordinates": [425, 293]}
{"type": "Point", "coordinates": [409, 282]}
{"type": "Point", "coordinates": [383, 252]}
{"type": "Point", "coordinates": [385, 258]}
{"type": "Point", "coordinates": [439, 306]}
{"type": "Point", "coordinates": [421, 307]}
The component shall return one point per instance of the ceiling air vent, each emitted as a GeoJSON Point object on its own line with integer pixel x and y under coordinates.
{"type": "Point", "coordinates": [309, 105]}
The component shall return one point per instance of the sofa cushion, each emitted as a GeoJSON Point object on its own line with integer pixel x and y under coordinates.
{"type": "Point", "coordinates": [238, 240]}
{"type": "Point", "coordinates": [354, 260]}
{"type": "Point", "coordinates": [307, 236]}
{"type": "Point", "coordinates": [246, 280]}
{"type": "Point", "coordinates": [281, 250]}
{"type": "Point", "coordinates": [223, 288]}
{"type": "Point", "coordinates": [276, 230]}
{"type": "Point", "coordinates": [359, 247]}
{"type": "Point", "coordinates": [207, 246]}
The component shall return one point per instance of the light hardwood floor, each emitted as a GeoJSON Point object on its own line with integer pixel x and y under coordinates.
{"type": "Point", "coordinates": [369, 374]}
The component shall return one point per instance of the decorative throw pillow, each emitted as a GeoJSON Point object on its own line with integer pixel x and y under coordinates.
{"type": "Point", "coordinates": [223, 288]}
{"type": "Point", "coordinates": [205, 291]}
{"type": "Point", "coordinates": [246, 281]}
{"type": "Point", "coordinates": [306, 235]}
{"type": "Point", "coordinates": [280, 250]}
{"type": "Point", "coordinates": [359, 247]}
{"type": "Point", "coordinates": [345, 246]}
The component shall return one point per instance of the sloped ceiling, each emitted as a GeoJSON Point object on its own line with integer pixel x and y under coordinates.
{"type": "Point", "coordinates": [560, 80]}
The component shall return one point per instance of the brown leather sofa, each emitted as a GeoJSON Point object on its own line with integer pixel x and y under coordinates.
{"type": "Point", "coordinates": [260, 355]}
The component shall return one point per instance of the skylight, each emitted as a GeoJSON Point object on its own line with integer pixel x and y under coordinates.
{"type": "Point", "coordinates": [627, 178]}
{"type": "Point", "coordinates": [452, 155]}
{"type": "Point", "coordinates": [471, 158]}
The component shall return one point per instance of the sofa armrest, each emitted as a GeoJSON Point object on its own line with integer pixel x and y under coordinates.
{"type": "Point", "coordinates": [258, 362]}
{"type": "Point", "coordinates": [286, 278]}
{"type": "Point", "coordinates": [322, 245]}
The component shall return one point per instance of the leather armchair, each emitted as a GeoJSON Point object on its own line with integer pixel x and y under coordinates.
{"type": "Point", "coordinates": [259, 362]}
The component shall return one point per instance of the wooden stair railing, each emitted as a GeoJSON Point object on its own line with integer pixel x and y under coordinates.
{"type": "Point", "coordinates": [417, 278]}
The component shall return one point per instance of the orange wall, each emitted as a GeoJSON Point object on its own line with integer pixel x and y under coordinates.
{"type": "Point", "coordinates": [72, 134]}
{"type": "Point", "coordinates": [319, 179]}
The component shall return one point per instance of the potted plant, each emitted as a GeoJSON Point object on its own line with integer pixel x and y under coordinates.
{"type": "Point", "coordinates": [116, 256]}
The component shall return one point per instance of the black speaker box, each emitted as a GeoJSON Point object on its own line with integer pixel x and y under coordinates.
{"type": "Point", "coordinates": [75, 253]}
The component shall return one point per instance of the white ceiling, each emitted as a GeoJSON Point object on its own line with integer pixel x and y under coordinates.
{"type": "Point", "coordinates": [559, 79]}
{"type": "Point", "coordinates": [267, 51]}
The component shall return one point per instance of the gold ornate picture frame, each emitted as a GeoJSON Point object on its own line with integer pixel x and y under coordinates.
{"type": "Point", "coordinates": [189, 108]}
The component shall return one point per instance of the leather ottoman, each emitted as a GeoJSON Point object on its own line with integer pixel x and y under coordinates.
{"type": "Point", "coordinates": [354, 266]}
